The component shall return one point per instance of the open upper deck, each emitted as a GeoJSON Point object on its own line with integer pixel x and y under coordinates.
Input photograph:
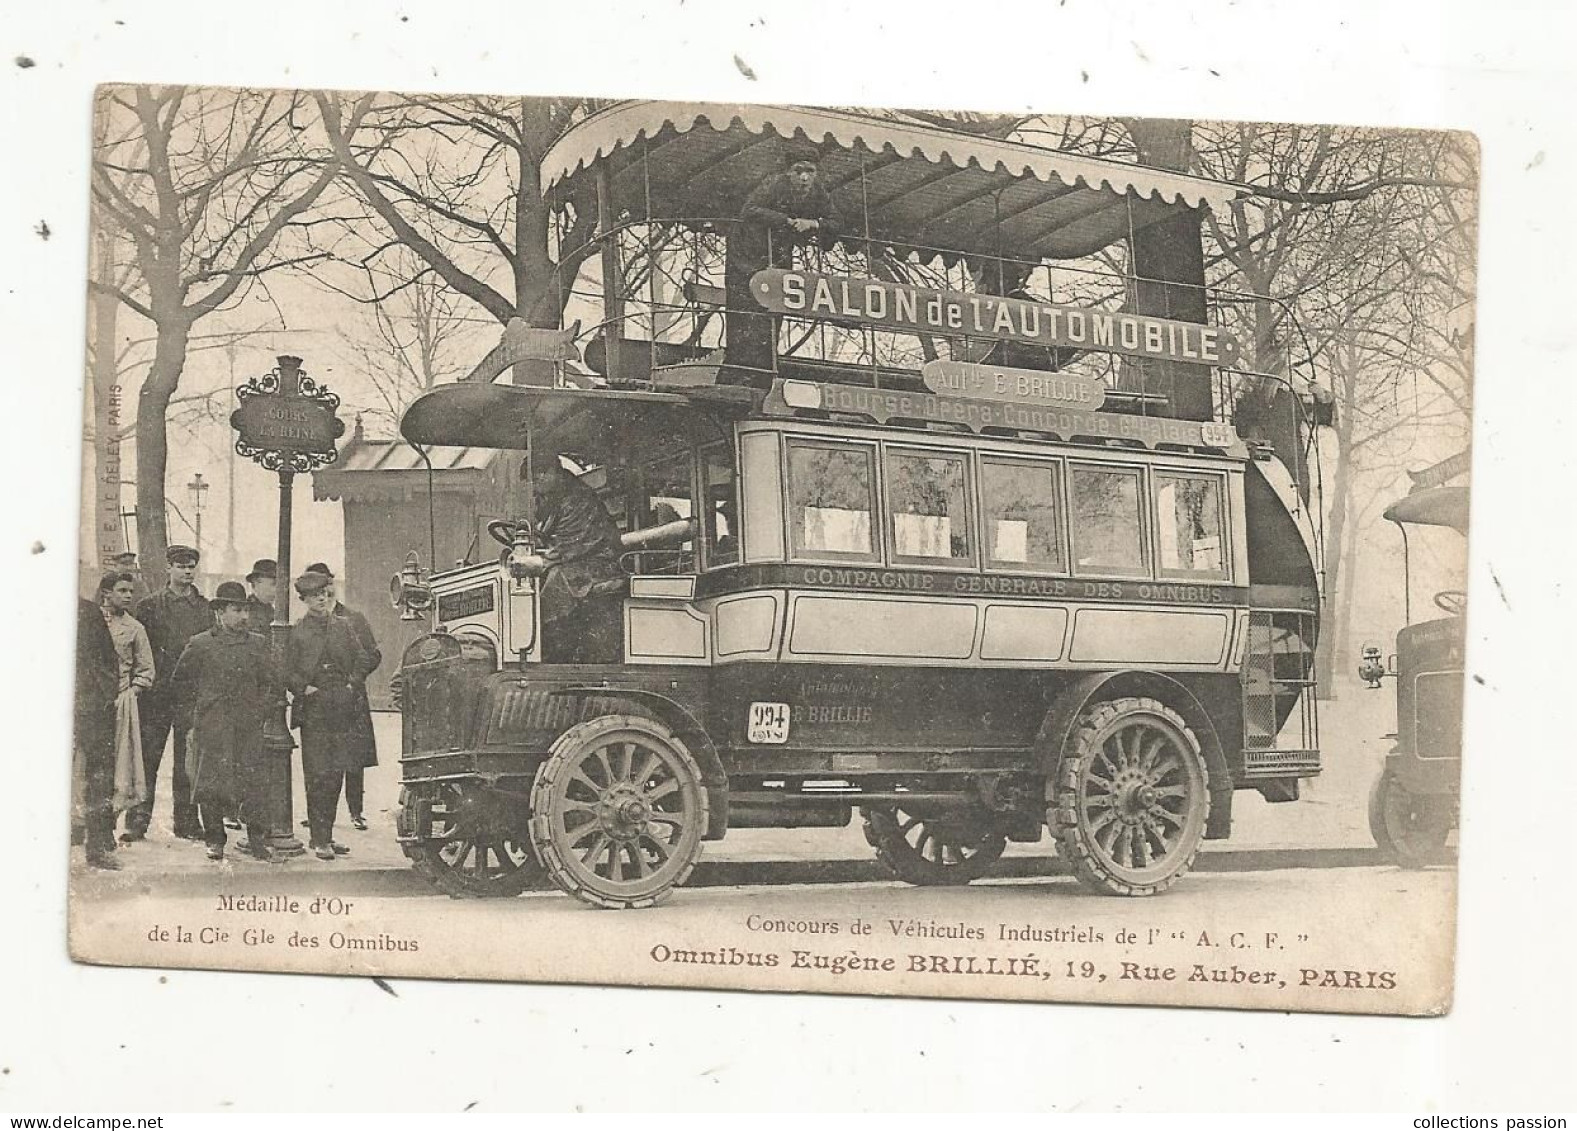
{"type": "Point", "coordinates": [943, 259]}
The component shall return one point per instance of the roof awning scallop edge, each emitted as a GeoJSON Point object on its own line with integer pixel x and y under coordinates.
{"type": "Point", "coordinates": [912, 186]}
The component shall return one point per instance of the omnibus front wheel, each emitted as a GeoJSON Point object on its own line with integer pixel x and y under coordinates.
{"type": "Point", "coordinates": [618, 811]}
{"type": "Point", "coordinates": [475, 846]}
{"type": "Point", "coordinates": [1130, 798]}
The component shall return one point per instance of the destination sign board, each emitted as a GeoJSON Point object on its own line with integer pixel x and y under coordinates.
{"type": "Point", "coordinates": [1015, 386]}
{"type": "Point", "coordinates": [921, 310]}
{"type": "Point", "coordinates": [884, 405]}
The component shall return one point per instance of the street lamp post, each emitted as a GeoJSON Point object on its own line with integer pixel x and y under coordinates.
{"type": "Point", "coordinates": [198, 489]}
{"type": "Point", "coordinates": [286, 422]}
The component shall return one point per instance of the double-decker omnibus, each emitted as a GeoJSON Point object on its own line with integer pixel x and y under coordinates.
{"type": "Point", "coordinates": [987, 545]}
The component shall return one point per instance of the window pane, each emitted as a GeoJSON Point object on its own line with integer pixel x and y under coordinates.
{"type": "Point", "coordinates": [1189, 530]}
{"type": "Point", "coordinates": [929, 511]}
{"type": "Point", "coordinates": [1022, 514]}
{"type": "Point", "coordinates": [831, 500]}
{"type": "Point", "coordinates": [667, 492]}
{"type": "Point", "coordinates": [1106, 532]}
{"type": "Point", "coordinates": [722, 538]}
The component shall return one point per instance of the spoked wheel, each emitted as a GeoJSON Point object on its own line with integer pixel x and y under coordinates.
{"type": "Point", "coordinates": [618, 812]}
{"type": "Point", "coordinates": [933, 850]}
{"type": "Point", "coordinates": [479, 845]}
{"type": "Point", "coordinates": [1410, 828]}
{"type": "Point", "coordinates": [1131, 798]}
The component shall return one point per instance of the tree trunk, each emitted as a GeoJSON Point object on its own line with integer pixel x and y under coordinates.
{"type": "Point", "coordinates": [1336, 599]}
{"type": "Point", "coordinates": [153, 403]}
{"type": "Point", "coordinates": [1340, 655]}
{"type": "Point", "coordinates": [1169, 265]}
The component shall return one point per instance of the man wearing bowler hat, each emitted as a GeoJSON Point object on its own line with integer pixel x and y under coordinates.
{"type": "Point", "coordinates": [363, 747]}
{"type": "Point", "coordinates": [326, 671]}
{"type": "Point", "coordinates": [264, 580]}
{"type": "Point", "coordinates": [226, 684]}
{"type": "Point", "coordinates": [172, 617]}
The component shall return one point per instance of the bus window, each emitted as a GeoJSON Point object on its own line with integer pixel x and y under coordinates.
{"type": "Point", "coordinates": [926, 499]}
{"type": "Point", "coordinates": [831, 501]}
{"type": "Point", "coordinates": [667, 491]}
{"type": "Point", "coordinates": [1188, 532]}
{"type": "Point", "coordinates": [722, 535]}
{"type": "Point", "coordinates": [1107, 535]}
{"type": "Point", "coordinates": [1023, 523]}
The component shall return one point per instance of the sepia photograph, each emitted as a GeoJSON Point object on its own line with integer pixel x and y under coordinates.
{"type": "Point", "coordinates": [773, 546]}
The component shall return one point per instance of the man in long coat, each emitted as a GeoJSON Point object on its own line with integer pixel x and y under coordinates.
{"type": "Point", "coordinates": [326, 671]}
{"type": "Point", "coordinates": [226, 684]}
{"type": "Point", "coordinates": [364, 747]}
{"type": "Point", "coordinates": [172, 617]}
{"type": "Point", "coordinates": [98, 683]}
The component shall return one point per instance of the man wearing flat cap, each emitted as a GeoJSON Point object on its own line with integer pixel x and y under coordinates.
{"type": "Point", "coordinates": [363, 746]}
{"type": "Point", "coordinates": [786, 210]}
{"type": "Point", "coordinates": [326, 671]}
{"type": "Point", "coordinates": [226, 685]}
{"type": "Point", "coordinates": [264, 580]}
{"type": "Point", "coordinates": [172, 617]}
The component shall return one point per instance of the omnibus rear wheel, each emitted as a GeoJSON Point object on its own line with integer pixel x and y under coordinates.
{"type": "Point", "coordinates": [1130, 797]}
{"type": "Point", "coordinates": [1410, 828]}
{"type": "Point", "coordinates": [933, 850]}
{"type": "Point", "coordinates": [479, 847]}
{"type": "Point", "coordinates": [618, 812]}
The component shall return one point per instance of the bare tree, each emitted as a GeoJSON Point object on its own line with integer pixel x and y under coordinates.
{"type": "Point", "coordinates": [412, 340]}
{"type": "Point", "coordinates": [456, 181]}
{"type": "Point", "coordinates": [199, 186]}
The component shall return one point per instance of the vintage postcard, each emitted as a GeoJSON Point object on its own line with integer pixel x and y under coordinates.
{"type": "Point", "coordinates": [774, 547]}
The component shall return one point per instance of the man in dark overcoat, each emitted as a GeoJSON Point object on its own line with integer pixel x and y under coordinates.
{"type": "Point", "coordinates": [226, 684]}
{"type": "Point", "coordinates": [364, 747]}
{"type": "Point", "coordinates": [98, 680]}
{"type": "Point", "coordinates": [263, 580]}
{"type": "Point", "coordinates": [326, 671]}
{"type": "Point", "coordinates": [172, 617]}
{"type": "Point", "coordinates": [582, 617]}
{"type": "Point", "coordinates": [787, 209]}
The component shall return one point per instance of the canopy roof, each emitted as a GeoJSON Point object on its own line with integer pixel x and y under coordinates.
{"type": "Point", "coordinates": [1432, 506]}
{"type": "Point", "coordinates": [475, 415]}
{"type": "Point", "coordinates": [923, 186]}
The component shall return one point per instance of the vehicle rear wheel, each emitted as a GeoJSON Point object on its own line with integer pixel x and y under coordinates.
{"type": "Point", "coordinates": [1410, 828]}
{"type": "Point", "coordinates": [618, 812]}
{"type": "Point", "coordinates": [479, 847]}
{"type": "Point", "coordinates": [1130, 798]}
{"type": "Point", "coordinates": [933, 850]}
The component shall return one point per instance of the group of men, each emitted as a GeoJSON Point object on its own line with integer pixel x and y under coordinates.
{"type": "Point", "coordinates": [203, 670]}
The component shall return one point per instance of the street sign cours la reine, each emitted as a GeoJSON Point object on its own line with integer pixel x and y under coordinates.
{"type": "Point", "coordinates": [286, 421]}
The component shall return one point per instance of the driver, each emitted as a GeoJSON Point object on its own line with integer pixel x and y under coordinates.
{"type": "Point", "coordinates": [581, 619]}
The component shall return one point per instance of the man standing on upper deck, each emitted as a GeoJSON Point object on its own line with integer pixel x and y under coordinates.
{"type": "Point", "coordinates": [787, 209]}
{"type": "Point", "coordinates": [172, 617]}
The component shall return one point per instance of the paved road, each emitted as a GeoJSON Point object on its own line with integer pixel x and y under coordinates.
{"type": "Point", "coordinates": [1327, 828]}
{"type": "Point", "coordinates": [1297, 893]}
